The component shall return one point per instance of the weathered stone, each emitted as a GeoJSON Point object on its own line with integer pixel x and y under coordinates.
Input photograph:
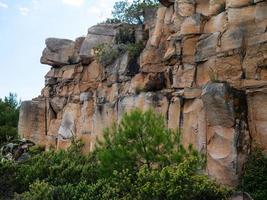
{"type": "Point", "coordinates": [174, 113]}
{"type": "Point", "coordinates": [194, 125]}
{"type": "Point", "coordinates": [144, 101]}
{"type": "Point", "coordinates": [237, 4]}
{"type": "Point", "coordinates": [257, 104]}
{"type": "Point", "coordinates": [193, 25]}
{"type": "Point", "coordinates": [67, 128]}
{"type": "Point", "coordinates": [99, 34]}
{"type": "Point", "coordinates": [217, 99]}
{"type": "Point", "coordinates": [220, 69]}
{"type": "Point", "coordinates": [241, 15]}
{"type": "Point", "coordinates": [189, 49]}
{"type": "Point", "coordinates": [32, 121]}
{"type": "Point", "coordinates": [183, 76]}
{"type": "Point", "coordinates": [92, 73]}
{"type": "Point", "coordinates": [150, 60]}
{"type": "Point", "coordinates": [216, 7]}
{"type": "Point", "coordinates": [228, 140]}
{"type": "Point", "coordinates": [192, 93]}
{"type": "Point", "coordinates": [68, 72]}
{"type": "Point", "coordinates": [231, 39]}
{"type": "Point", "coordinates": [261, 13]}
{"type": "Point", "coordinates": [255, 62]}
{"type": "Point", "coordinates": [156, 36]}
{"type": "Point", "coordinates": [216, 23]}
{"type": "Point", "coordinates": [58, 103]}
{"type": "Point", "coordinates": [206, 47]}
{"type": "Point", "coordinates": [186, 7]}
{"type": "Point", "coordinates": [59, 52]}
{"type": "Point", "coordinates": [202, 7]}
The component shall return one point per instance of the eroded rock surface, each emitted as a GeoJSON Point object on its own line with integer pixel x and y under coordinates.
{"type": "Point", "coordinates": [204, 68]}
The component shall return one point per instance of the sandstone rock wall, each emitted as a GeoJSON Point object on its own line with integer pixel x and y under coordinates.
{"type": "Point", "coordinates": [204, 68]}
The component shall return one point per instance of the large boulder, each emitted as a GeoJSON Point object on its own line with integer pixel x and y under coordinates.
{"type": "Point", "coordinates": [227, 139]}
{"type": "Point", "coordinates": [32, 121]}
{"type": "Point", "coordinates": [97, 35]}
{"type": "Point", "coordinates": [59, 52]}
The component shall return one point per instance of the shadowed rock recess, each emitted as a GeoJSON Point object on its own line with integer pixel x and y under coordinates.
{"type": "Point", "coordinates": [204, 68]}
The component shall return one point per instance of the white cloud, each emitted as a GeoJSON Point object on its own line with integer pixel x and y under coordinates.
{"type": "Point", "coordinates": [24, 11]}
{"type": "Point", "coordinates": [101, 9]}
{"type": "Point", "coordinates": [36, 4]}
{"type": "Point", "coordinates": [3, 5]}
{"type": "Point", "coordinates": [73, 2]}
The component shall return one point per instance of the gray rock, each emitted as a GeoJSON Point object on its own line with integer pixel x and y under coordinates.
{"type": "Point", "coordinates": [241, 196]}
{"type": "Point", "coordinates": [58, 103]}
{"type": "Point", "coordinates": [59, 52]}
{"type": "Point", "coordinates": [206, 47]}
{"type": "Point", "coordinates": [99, 34]}
{"type": "Point", "coordinates": [219, 104]}
{"type": "Point", "coordinates": [67, 128]}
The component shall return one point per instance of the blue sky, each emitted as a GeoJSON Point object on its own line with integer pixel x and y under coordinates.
{"type": "Point", "coordinates": [24, 26]}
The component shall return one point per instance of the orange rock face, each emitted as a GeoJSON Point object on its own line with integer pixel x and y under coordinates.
{"type": "Point", "coordinates": [204, 68]}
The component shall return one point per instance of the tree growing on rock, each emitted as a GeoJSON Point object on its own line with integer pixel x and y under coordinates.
{"type": "Point", "coordinates": [132, 13]}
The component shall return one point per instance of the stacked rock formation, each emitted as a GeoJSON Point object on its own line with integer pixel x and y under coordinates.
{"type": "Point", "coordinates": [204, 68]}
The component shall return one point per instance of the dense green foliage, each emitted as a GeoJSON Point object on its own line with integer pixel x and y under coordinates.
{"type": "Point", "coordinates": [138, 159]}
{"type": "Point", "coordinates": [132, 13]}
{"type": "Point", "coordinates": [9, 116]}
{"type": "Point", "coordinates": [255, 176]}
{"type": "Point", "coordinates": [141, 139]}
{"type": "Point", "coordinates": [106, 54]}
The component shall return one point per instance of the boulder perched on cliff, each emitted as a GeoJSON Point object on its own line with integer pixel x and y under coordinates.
{"type": "Point", "coordinates": [99, 34]}
{"type": "Point", "coordinates": [59, 52]}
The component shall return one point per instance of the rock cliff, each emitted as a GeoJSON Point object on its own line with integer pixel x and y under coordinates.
{"type": "Point", "coordinates": [204, 68]}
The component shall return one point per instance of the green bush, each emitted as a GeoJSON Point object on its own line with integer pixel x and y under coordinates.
{"type": "Point", "coordinates": [106, 54]}
{"type": "Point", "coordinates": [132, 13]}
{"type": "Point", "coordinates": [255, 175]}
{"type": "Point", "coordinates": [9, 117]}
{"type": "Point", "coordinates": [8, 183]}
{"type": "Point", "coordinates": [140, 139]}
{"type": "Point", "coordinates": [125, 35]}
{"type": "Point", "coordinates": [138, 159]}
{"type": "Point", "coordinates": [135, 49]}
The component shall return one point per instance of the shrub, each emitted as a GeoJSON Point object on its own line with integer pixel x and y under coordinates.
{"type": "Point", "coordinates": [138, 159]}
{"type": "Point", "coordinates": [8, 179]}
{"type": "Point", "coordinates": [125, 35]}
{"type": "Point", "coordinates": [9, 116]}
{"type": "Point", "coordinates": [255, 175]}
{"type": "Point", "coordinates": [132, 13]}
{"type": "Point", "coordinates": [135, 49]}
{"type": "Point", "coordinates": [140, 139]}
{"type": "Point", "coordinates": [106, 54]}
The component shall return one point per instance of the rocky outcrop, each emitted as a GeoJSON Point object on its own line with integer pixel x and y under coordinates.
{"type": "Point", "coordinates": [204, 68]}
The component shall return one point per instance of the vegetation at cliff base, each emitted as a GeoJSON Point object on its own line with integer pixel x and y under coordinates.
{"type": "Point", "coordinates": [138, 159]}
{"type": "Point", "coordinates": [9, 116]}
{"type": "Point", "coordinates": [255, 177]}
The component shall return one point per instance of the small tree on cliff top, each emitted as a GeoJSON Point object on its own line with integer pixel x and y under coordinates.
{"type": "Point", "coordinates": [132, 13]}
